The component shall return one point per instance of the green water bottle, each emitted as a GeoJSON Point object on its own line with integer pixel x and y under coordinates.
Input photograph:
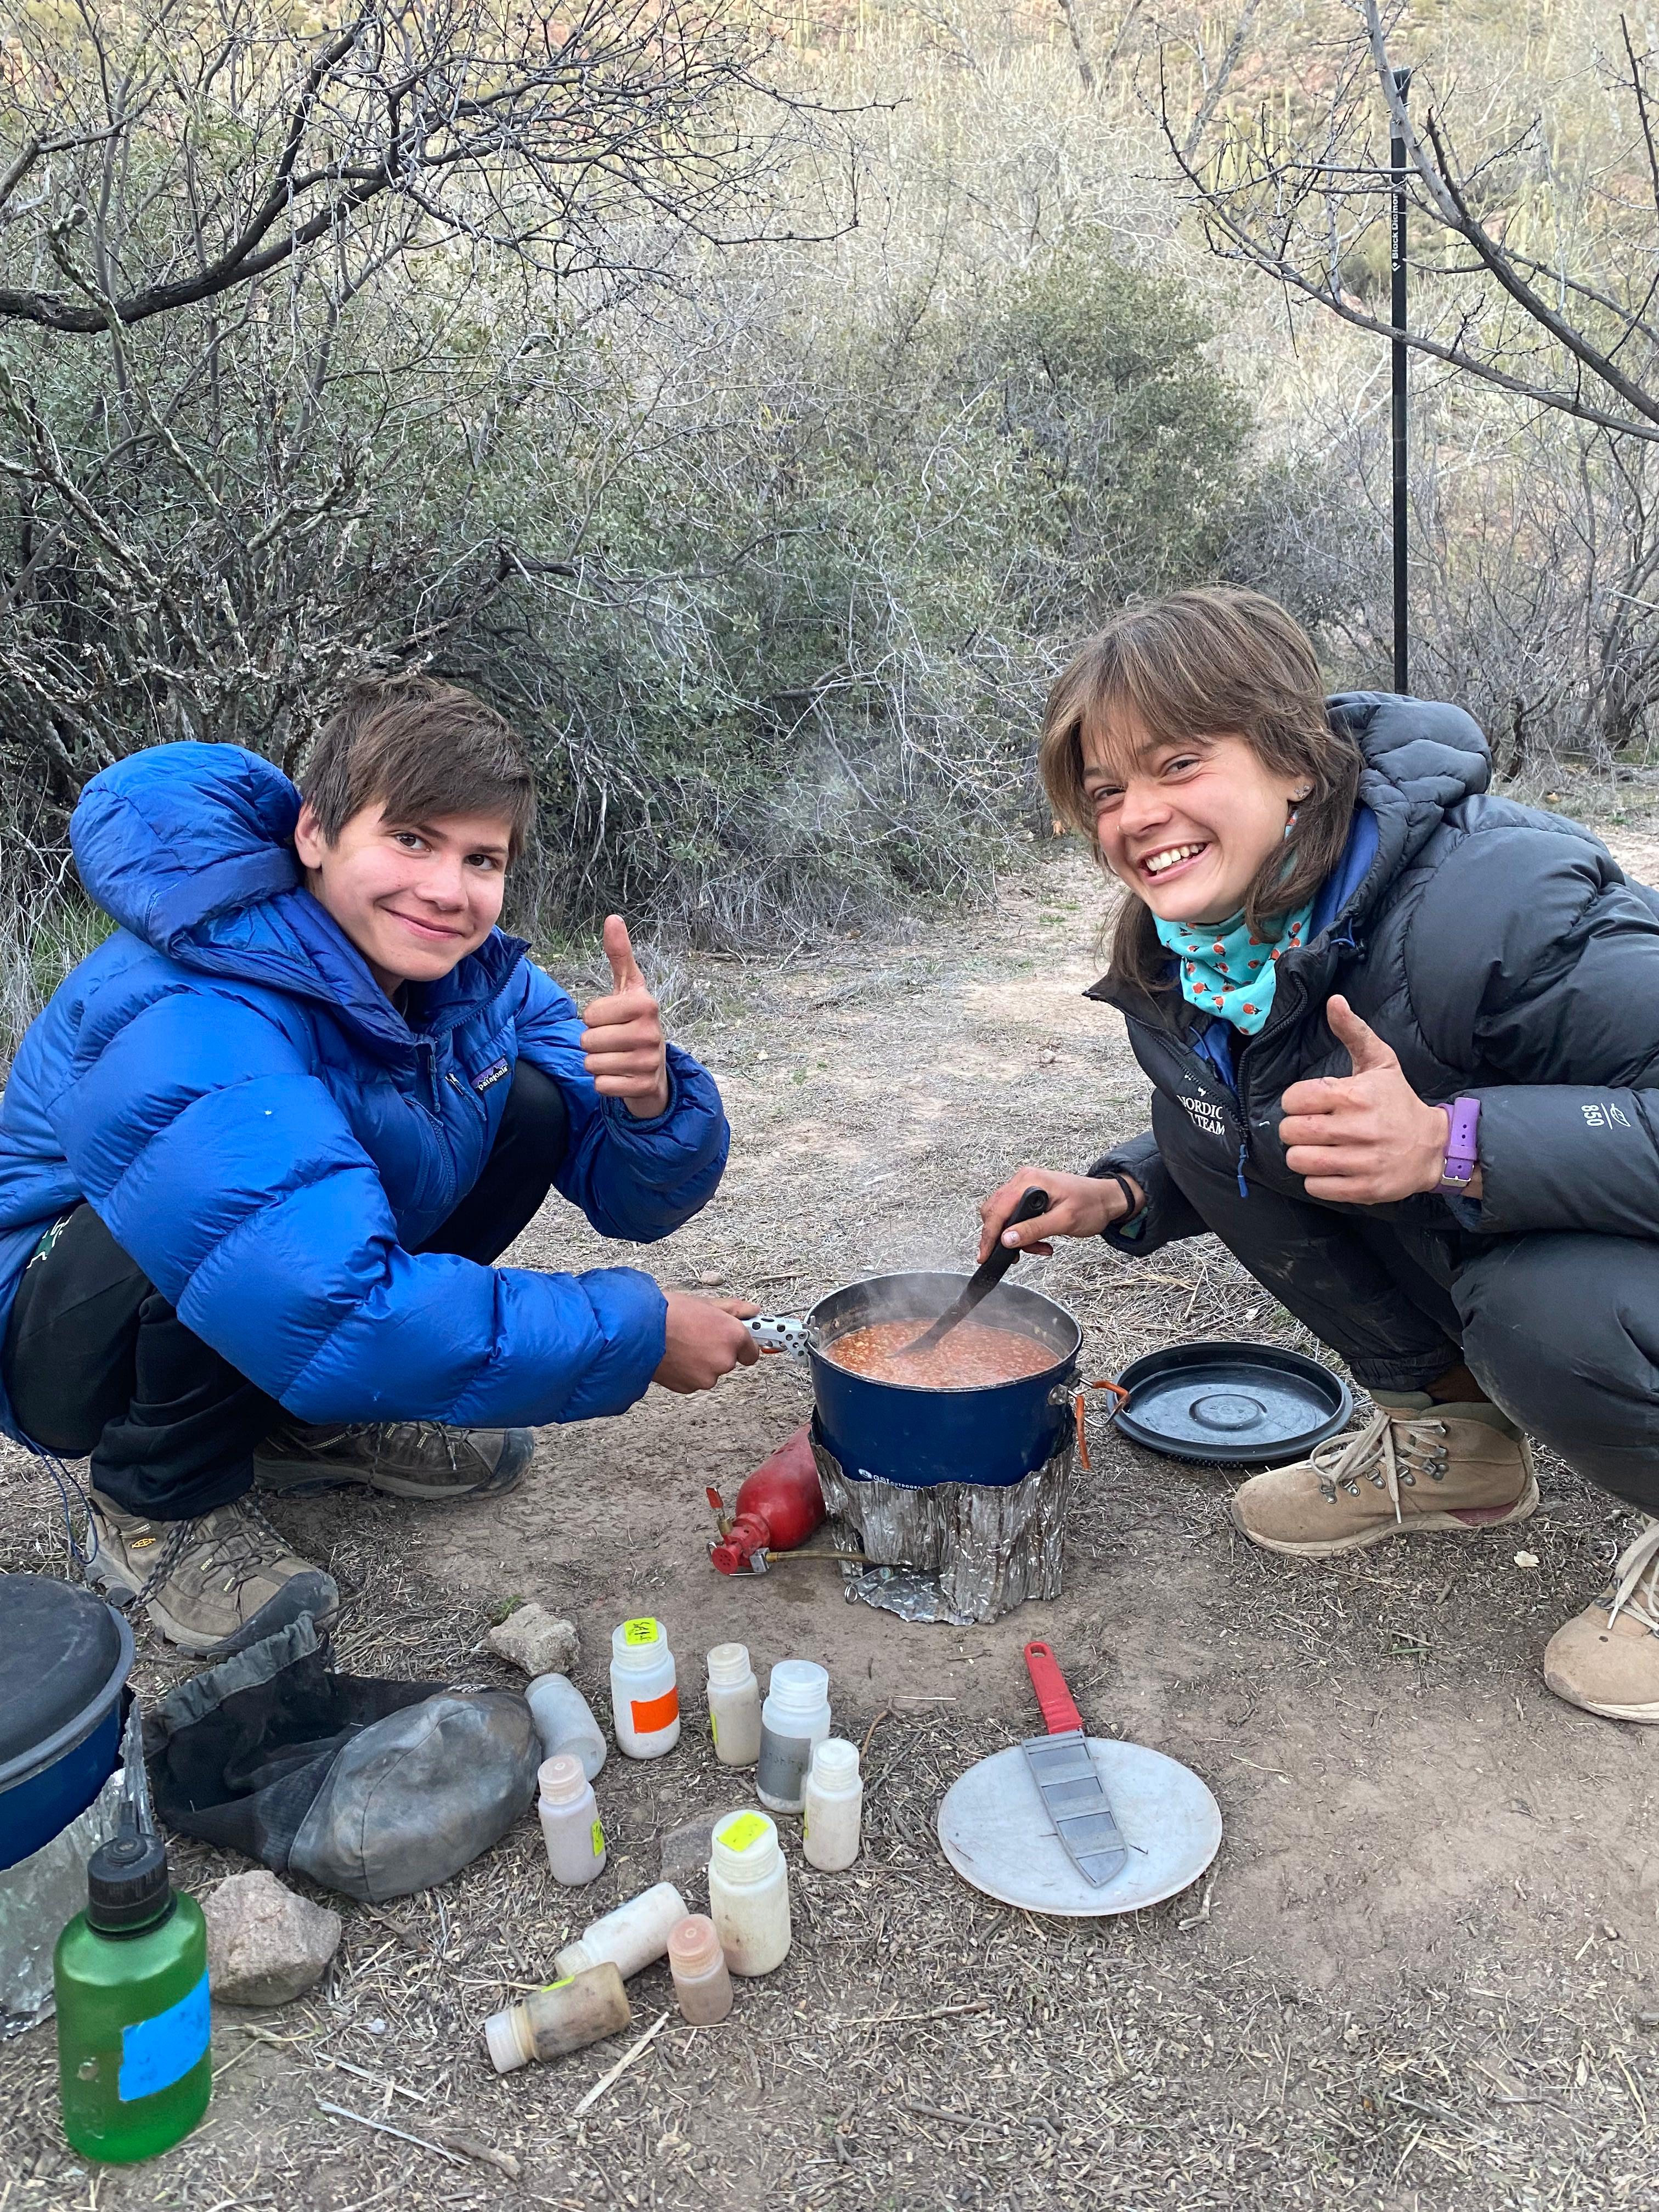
{"type": "Point", "coordinates": [134, 2069]}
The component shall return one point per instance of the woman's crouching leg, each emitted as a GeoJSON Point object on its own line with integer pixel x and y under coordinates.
{"type": "Point", "coordinates": [1563, 1333]}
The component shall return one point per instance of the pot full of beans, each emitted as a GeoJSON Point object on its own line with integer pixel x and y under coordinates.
{"type": "Point", "coordinates": [988, 1404]}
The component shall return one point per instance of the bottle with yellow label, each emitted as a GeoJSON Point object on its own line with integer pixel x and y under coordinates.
{"type": "Point", "coordinates": [571, 1821]}
{"type": "Point", "coordinates": [749, 1894]}
{"type": "Point", "coordinates": [644, 1698]}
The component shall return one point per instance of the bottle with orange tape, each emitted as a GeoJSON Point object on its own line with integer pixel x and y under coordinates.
{"type": "Point", "coordinates": [644, 1698]}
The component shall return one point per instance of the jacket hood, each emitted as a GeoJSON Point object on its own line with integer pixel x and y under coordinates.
{"type": "Point", "coordinates": [189, 847]}
{"type": "Point", "coordinates": [1424, 755]}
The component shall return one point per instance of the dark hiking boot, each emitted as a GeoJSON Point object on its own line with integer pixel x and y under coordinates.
{"type": "Point", "coordinates": [214, 1584]}
{"type": "Point", "coordinates": [1607, 1659]}
{"type": "Point", "coordinates": [1416, 1468]}
{"type": "Point", "coordinates": [404, 1459]}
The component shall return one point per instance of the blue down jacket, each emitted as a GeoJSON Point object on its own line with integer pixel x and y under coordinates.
{"type": "Point", "coordinates": [264, 1132]}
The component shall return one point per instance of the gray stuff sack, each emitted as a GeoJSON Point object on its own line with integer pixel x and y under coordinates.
{"type": "Point", "coordinates": [374, 1788]}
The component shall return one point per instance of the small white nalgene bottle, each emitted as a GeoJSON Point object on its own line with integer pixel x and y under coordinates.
{"type": "Point", "coordinates": [645, 1700]}
{"type": "Point", "coordinates": [749, 1894]}
{"type": "Point", "coordinates": [564, 1722]}
{"type": "Point", "coordinates": [835, 1802]}
{"type": "Point", "coordinates": [794, 1720]}
{"type": "Point", "coordinates": [632, 1937]}
{"type": "Point", "coordinates": [735, 1705]}
{"type": "Point", "coordinates": [571, 1821]}
{"type": "Point", "coordinates": [702, 1981]}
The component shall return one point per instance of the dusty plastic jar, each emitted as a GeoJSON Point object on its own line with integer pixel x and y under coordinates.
{"type": "Point", "coordinates": [631, 1937]}
{"type": "Point", "coordinates": [571, 1821]}
{"type": "Point", "coordinates": [645, 1700]}
{"type": "Point", "coordinates": [565, 2016]}
{"type": "Point", "coordinates": [565, 1722]}
{"type": "Point", "coordinates": [834, 1805]}
{"type": "Point", "coordinates": [749, 1894]}
{"type": "Point", "coordinates": [735, 1705]}
{"type": "Point", "coordinates": [702, 1980]}
{"type": "Point", "coordinates": [794, 1721]}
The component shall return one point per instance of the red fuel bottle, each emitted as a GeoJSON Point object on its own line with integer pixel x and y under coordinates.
{"type": "Point", "coordinates": [780, 1505]}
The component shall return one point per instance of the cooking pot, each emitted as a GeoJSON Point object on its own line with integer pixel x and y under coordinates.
{"type": "Point", "coordinates": [64, 1656]}
{"type": "Point", "coordinates": [915, 1436]}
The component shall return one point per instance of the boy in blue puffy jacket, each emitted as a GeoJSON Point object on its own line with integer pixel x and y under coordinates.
{"type": "Point", "coordinates": [260, 1152]}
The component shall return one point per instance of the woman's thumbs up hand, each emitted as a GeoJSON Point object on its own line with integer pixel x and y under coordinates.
{"type": "Point", "coordinates": [623, 1048]}
{"type": "Point", "coordinates": [1365, 1139]}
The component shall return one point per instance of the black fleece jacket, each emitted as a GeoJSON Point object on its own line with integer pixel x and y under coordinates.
{"type": "Point", "coordinates": [1500, 951]}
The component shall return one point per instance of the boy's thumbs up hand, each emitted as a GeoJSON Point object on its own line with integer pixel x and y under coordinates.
{"type": "Point", "coordinates": [623, 1048]}
{"type": "Point", "coordinates": [619, 951]}
{"type": "Point", "coordinates": [1365, 1139]}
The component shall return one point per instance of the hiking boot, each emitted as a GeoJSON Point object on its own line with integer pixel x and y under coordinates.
{"type": "Point", "coordinates": [404, 1459]}
{"type": "Point", "coordinates": [1607, 1659]}
{"type": "Point", "coordinates": [214, 1584]}
{"type": "Point", "coordinates": [1415, 1467]}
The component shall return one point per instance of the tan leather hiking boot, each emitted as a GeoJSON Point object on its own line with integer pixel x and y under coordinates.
{"type": "Point", "coordinates": [1607, 1658]}
{"type": "Point", "coordinates": [217, 1583]}
{"type": "Point", "coordinates": [404, 1459]}
{"type": "Point", "coordinates": [1416, 1466]}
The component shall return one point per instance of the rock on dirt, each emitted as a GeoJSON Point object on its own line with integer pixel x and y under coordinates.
{"type": "Point", "coordinates": [685, 1849]}
{"type": "Point", "coordinates": [264, 1944]}
{"type": "Point", "coordinates": [531, 1638]}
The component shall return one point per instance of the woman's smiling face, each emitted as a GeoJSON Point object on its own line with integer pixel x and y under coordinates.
{"type": "Point", "coordinates": [1185, 824]}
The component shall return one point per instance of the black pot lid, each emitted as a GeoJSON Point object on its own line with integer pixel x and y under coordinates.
{"type": "Point", "coordinates": [1231, 1405]}
{"type": "Point", "coordinates": [63, 1657]}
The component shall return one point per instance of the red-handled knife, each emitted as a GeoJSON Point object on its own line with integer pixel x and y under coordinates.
{"type": "Point", "coordinates": [1073, 1794]}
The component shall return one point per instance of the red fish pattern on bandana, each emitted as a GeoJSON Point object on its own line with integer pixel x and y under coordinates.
{"type": "Point", "coordinates": [1230, 972]}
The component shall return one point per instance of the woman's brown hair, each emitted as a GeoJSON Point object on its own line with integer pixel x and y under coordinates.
{"type": "Point", "coordinates": [1214, 659]}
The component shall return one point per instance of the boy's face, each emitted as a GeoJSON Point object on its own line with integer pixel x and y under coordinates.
{"type": "Point", "coordinates": [414, 897]}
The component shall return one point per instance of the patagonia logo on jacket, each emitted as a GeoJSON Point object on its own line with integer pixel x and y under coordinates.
{"type": "Point", "coordinates": [493, 1073]}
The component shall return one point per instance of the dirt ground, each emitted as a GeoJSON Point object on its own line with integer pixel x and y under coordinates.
{"type": "Point", "coordinates": [1424, 1971]}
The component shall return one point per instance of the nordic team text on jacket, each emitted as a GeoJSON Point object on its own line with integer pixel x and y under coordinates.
{"type": "Point", "coordinates": [263, 1131]}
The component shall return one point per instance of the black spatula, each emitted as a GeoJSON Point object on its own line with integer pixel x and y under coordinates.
{"type": "Point", "coordinates": [984, 1278]}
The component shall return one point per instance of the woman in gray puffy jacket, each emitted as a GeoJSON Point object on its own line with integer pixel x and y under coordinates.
{"type": "Point", "coordinates": [1403, 1039]}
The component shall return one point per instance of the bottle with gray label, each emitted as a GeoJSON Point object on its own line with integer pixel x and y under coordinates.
{"type": "Point", "coordinates": [794, 1720]}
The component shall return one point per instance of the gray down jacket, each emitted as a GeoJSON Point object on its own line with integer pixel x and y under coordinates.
{"type": "Point", "coordinates": [1500, 951]}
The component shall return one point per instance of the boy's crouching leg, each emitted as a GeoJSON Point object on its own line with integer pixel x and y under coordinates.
{"type": "Point", "coordinates": [217, 1583]}
{"type": "Point", "coordinates": [402, 1458]}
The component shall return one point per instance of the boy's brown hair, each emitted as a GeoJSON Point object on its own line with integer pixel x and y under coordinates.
{"type": "Point", "coordinates": [420, 749]}
{"type": "Point", "coordinates": [1197, 664]}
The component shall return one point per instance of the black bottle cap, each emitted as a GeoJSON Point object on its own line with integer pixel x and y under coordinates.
{"type": "Point", "coordinates": [127, 1883]}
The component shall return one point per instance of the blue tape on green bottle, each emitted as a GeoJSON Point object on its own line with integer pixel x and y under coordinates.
{"type": "Point", "coordinates": [155, 2053]}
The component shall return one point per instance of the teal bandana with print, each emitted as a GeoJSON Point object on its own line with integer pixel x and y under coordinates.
{"type": "Point", "coordinates": [1229, 972]}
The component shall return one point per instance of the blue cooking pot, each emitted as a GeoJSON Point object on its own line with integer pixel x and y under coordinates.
{"type": "Point", "coordinates": [899, 1433]}
{"type": "Point", "coordinates": [64, 1656]}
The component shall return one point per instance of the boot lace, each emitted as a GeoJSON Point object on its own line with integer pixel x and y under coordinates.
{"type": "Point", "coordinates": [1638, 1563]}
{"type": "Point", "coordinates": [379, 1435]}
{"type": "Point", "coordinates": [1393, 1450]}
{"type": "Point", "coordinates": [241, 1544]}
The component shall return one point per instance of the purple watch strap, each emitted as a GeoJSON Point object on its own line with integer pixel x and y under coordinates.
{"type": "Point", "coordinates": [1462, 1145]}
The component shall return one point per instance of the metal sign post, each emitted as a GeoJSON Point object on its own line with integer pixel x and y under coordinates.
{"type": "Point", "coordinates": [1402, 78]}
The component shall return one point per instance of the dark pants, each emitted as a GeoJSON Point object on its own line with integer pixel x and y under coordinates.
{"type": "Point", "coordinates": [97, 1361]}
{"type": "Point", "coordinates": [1562, 1331]}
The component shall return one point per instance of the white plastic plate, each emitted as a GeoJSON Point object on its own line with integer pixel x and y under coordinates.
{"type": "Point", "coordinates": [997, 1836]}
